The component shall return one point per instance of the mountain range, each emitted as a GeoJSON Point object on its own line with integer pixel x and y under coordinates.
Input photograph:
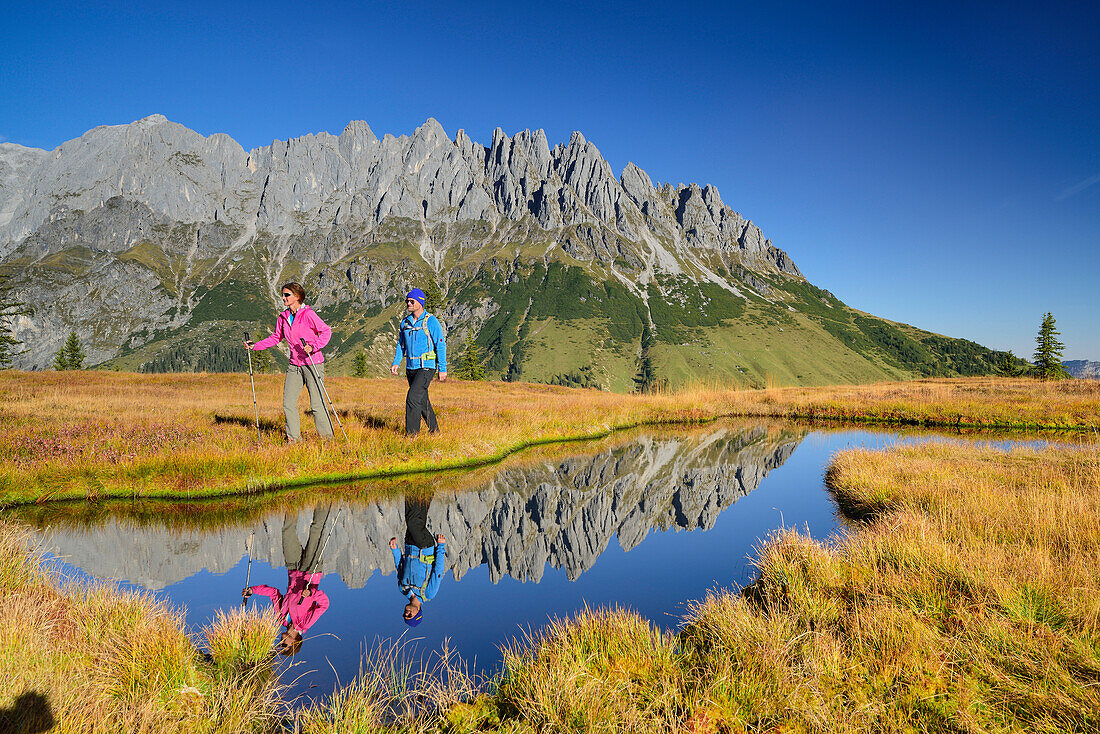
{"type": "Point", "coordinates": [160, 247]}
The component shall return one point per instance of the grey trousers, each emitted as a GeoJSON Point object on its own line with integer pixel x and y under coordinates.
{"type": "Point", "coordinates": [296, 377]}
{"type": "Point", "coordinates": [304, 558]}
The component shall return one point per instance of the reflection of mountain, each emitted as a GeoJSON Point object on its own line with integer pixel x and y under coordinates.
{"type": "Point", "coordinates": [561, 513]}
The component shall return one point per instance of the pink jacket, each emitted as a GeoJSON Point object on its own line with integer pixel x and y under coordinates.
{"type": "Point", "coordinates": [295, 609]}
{"type": "Point", "coordinates": [307, 325]}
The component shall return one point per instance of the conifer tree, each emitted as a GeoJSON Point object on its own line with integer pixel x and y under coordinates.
{"type": "Point", "coordinates": [644, 377]}
{"type": "Point", "coordinates": [360, 365]}
{"type": "Point", "coordinates": [10, 307]}
{"type": "Point", "coordinates": [71, 356]}
{"type": "Point", "coordinates": [1007, 364]}
{"type": "Point", "coordinates": [1048, 351]}
{"type": "Point", "coordinates": [433, 298]}
{"type": "Point", "coordinates": [471, 368]}
{"type": "Point", "coordinates": [262, 360]}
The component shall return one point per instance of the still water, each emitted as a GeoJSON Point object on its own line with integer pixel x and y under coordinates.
{"type": "Point", "coordinates": [648, 520]}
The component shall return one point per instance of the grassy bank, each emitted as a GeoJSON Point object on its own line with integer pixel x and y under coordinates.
{"type": "Point", "coordinates": [966, 598]}
{"type": "Point", "coordinates": [93, 659]}
{"type": "Point", "coordinates": [100, 435]}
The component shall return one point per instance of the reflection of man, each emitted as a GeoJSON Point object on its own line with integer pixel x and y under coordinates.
{"type": "Point", "coordinates": [420, 568]}
{"type": "Point", "coordinates": [303, 603]}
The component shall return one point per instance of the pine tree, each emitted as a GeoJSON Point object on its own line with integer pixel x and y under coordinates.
{"type": "Point", "coordinates": [1048, 351]}
{"type": "Point", "coordinates": [433, 298]}
{"type": "Point", "coordinates": [9, 309]}
{"type": "Point", "coordinates": [470, 367]}
{"type": "Point", "coordinates": [262, 361]}
{"type": "Point", "coordinates": [1007, 364]}
{"type": "Point", "coordinates": [71, 356]}
{"type": "Point", "coordinates": [644, 377]}
{"type": "Point", "coordinates": [360, 364]}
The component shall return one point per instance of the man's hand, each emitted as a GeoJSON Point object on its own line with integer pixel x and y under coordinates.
{"type": "Point", "coordinates": [439, 538]}
{"type": "Point", "coordinates": [246, 592]}
{"type": "Point", "coordinates": [393, 543]}
{"type": "Point", "coordinates": [442, 376]}
{"type": "Point", "coordinates": [394, 369]}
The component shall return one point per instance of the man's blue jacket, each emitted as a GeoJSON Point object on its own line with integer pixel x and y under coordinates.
{"type": "Point", "coordinates": [412, 572]}
{"type": "Point", "coordinates": [422, 344]}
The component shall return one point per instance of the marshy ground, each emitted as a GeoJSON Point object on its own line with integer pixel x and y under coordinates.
{"type": "Point", "coordinates": [965, 595]}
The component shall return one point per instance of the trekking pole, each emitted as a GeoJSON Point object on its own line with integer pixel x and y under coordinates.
{"type": "Point", "coordinates": [255, 406]}
{"type": "Point", "coordinates": [321, 555]}
{"type": "Point", "coordinates": [248, 573]}
{"type": "Point", "coordinates": [324, 393]}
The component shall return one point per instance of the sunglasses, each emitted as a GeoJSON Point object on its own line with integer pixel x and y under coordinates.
{"type": "Point", "coordinates": [287, 295]}
{"type": "Point", "coordinates": [409, 300]}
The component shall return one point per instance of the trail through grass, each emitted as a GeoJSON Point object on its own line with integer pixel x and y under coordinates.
{"type": "Point", "coordinates": [101, 435]}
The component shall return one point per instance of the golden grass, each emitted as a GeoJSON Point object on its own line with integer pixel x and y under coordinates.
{"type": "Point", "coordinates": [100, 435]}
{"type": "Point", "coordinates": [101, 660]}
{"type": "Point", "coordinates": [967, 599]}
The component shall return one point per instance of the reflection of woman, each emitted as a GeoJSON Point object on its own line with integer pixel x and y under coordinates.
{"type": "Point", "coordinates": [420, 568]}
{"type": "Point", "coordinates": [303, 603]}
{"type": "Point", "coordinates": [296, 323]}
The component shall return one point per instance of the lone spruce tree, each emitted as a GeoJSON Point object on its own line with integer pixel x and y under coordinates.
{"type": "Point", "coordinates": [10, 307]}
{"type": "Point", "coordinates": [645, 376]}
{"type": "Point", "coordinates": [1048, 351]}
{"type": "Point", "coordinates": [433, 298]}
{"type": "Point", "coordinates": [71, 356]}
{"type": "Point", "coordinates": [360, 365]}
{"type": "Point", "coordinates": [471, 368]}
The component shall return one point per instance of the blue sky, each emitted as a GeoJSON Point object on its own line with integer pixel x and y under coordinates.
{"type": "Point", "coordinates": [935, 164]}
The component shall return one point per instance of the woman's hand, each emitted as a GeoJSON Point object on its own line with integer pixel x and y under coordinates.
{"type": "Point", "coordinates": [248, 344]}
{"type": "Point", "coordinates": [308, 348]}
{"type": "Point", "coordinates": [246, 592]}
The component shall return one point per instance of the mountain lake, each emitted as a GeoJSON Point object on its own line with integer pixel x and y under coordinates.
{"type": "Point", "coordinates": [648, 519]}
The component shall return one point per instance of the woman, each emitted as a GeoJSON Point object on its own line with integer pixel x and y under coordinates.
{"type": "Point", "coordinates": [303, 603]}
{"type": "Point", "coordinates": [297, 323]}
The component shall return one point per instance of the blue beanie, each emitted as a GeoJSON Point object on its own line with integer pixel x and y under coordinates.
{"type": "Point", "coordinates": [417, 295]}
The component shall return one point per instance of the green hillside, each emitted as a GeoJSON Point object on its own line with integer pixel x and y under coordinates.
{"type": "Point", "coordinates": [549, 319]}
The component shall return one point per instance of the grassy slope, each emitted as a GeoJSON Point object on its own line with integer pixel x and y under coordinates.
{"type": "Point", "coordinates": [704, 333]}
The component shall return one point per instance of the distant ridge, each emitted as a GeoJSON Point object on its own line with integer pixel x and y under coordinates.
{"type": "Point", "coordinates": [1083, 369]}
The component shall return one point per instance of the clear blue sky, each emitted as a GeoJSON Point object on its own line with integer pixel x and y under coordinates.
{"type": "Point", "coordinates": [935, 164]}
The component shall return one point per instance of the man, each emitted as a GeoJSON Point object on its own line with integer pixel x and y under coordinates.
{"type": "Point", "coordinates": [421, 343]}
{"type": "Point", "coordinates": [420, 568]}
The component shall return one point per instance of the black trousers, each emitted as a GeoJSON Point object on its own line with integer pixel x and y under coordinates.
{"type": "Point", "coordinates": [416, 524]}
{"type": "Point", "coordinates": [417, 403]}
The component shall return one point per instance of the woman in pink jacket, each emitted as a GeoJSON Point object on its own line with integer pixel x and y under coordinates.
{"type": "Point", "coordinates": [299, 322]}
{"type": "Point", "coordinates": [303, 603]}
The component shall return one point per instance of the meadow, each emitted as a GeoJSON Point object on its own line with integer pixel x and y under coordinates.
{"type": "Point", "coordinates": [963, 597]}
{"type": "Point", "coordinates": [102, 435]}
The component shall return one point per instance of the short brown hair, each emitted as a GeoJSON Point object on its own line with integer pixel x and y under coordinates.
{"type": "Point", "coordinates": [296, 289]}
